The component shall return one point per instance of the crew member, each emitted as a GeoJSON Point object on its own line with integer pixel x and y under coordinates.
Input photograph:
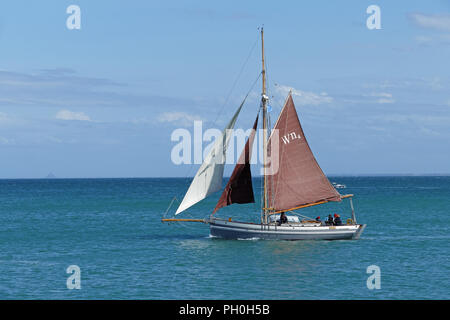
{"type": "Point", "coordinates": [283, 219]}
{"type": "Point", "coordinates": [337, 220]}
{"type": "Point", "coordinates": [330, 220]}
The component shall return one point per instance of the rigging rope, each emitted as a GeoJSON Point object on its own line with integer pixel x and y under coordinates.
{"type": "Point", "coordinates": [236, 81]}
{"type": "Point", "coordinates": [189, 170]}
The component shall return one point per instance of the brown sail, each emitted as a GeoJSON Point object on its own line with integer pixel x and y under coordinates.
{"type": "Point", "coordinates": [239, 188]}
{"type": "Point", "coordinates": [297, 179]}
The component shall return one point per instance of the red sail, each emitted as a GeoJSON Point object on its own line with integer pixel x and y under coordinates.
{"type": "Point", "coordinates": [239, 188]}
{"type": "Point", "coordinates": [297, 178]}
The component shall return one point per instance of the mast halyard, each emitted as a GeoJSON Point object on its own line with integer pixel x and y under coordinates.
{"type": "Point", "coordinates": [264, 99]}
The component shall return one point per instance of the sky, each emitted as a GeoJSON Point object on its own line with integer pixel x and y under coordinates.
{"type": "Point", "coordinates": [103, 100]}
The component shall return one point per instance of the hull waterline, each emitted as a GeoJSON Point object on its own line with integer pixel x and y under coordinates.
{"type": "Point", "coordinates": [241, 230]}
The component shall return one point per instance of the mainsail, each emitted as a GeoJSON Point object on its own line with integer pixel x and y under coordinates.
{"type": "Point", "coordinates": [208, 178]}
{"type": "Point", "coordinates": [239, 188]}
{"type": "Point", "coordinates": [298, 179]}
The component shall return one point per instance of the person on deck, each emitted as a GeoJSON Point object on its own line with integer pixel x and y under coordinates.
{"type": "Point", "coordinates": [318, 219]}
{"type": "Point", "coordinates": [330, 220]}
{"type": "Point", "coordinates": [283, 219]}
{"type": "Point", "coordinates": [337, 220]}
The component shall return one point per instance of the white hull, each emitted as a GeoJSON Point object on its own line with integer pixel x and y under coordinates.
{"type": "Point", "coordinates": [291, 231]}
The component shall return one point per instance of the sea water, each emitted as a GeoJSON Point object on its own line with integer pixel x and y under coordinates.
{"type": "Point", "coordinates": [111, 230]}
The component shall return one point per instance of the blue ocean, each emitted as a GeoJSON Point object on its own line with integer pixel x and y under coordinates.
{"type": "Point", "coordinates": [111, 230]}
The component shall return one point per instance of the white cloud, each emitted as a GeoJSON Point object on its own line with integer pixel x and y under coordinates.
{"type": "Point", "coordinates": [178, 118]}
{"type": "Point", "coordinates": [382, 101]}
{"type": "Point", "coordinates": [430, 120]}
{"type": "Point", "coordinates": [425, 40]}
{"type": "Point", "coordinates": [5, 141]}
{"type": "Point", "coordinates": [437, 39]}
{"type": "Point", "coordinates": [433, 21]}
{"type": "Point", "coordinates": [6, 119]}
{"type": "Point", "coordinates": [305, 97]}
{"type": "Point", "coordinates": [3, 117]}
{"type": "Point", "coordinates": [383, 97]}
{"type": "Point", "coordinates": [69, 115]}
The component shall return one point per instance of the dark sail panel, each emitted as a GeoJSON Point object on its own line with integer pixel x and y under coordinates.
{"type": "Point", "coordinates": [239, 188]}
{"type": "Point", "coordinates": [298, 179]}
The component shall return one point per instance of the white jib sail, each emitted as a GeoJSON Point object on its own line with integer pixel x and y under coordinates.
{"type": "Point", "coordinates": [208, 178]}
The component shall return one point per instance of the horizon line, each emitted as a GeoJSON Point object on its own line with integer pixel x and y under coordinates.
{"type": "Point", "coordinates": [227, 177]}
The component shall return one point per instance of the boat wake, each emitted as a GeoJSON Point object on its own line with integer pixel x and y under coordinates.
{"type": "Point", "coordinates": [240, 239]}
{"type": "Point", "coordinates": [249, 239]}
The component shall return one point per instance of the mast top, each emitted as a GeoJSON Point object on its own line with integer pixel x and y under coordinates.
{"type": "Point", "coordinates": [263, 66]}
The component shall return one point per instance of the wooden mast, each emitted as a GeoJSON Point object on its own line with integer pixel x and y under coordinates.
{"type": "Point", "coordinates": [264, 99]}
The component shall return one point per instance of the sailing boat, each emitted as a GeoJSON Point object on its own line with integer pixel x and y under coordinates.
{"type": "Point", "coordinates": [292, 180]}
